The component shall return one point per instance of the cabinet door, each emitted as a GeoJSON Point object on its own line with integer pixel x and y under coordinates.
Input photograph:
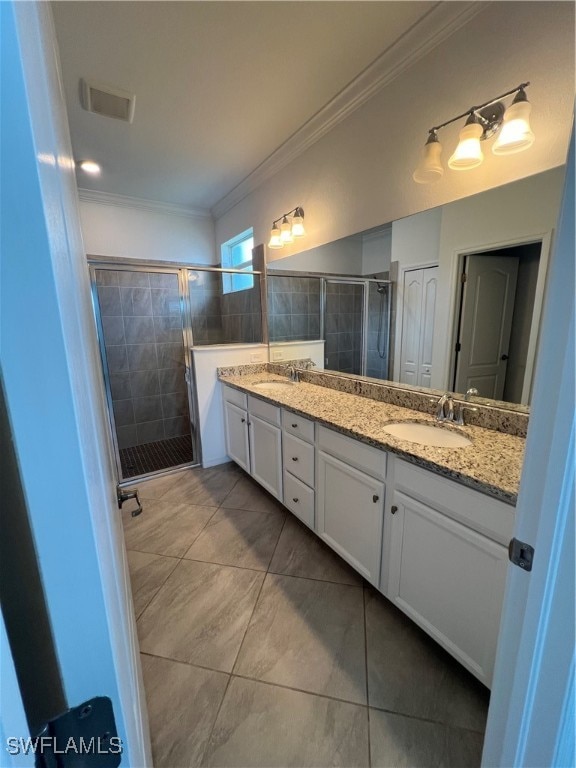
{"type": "Point", "coordinates": [266, 455]}
{"type": "Point", "coordinates": [450, 580]}
{"type": "Point", "coordinates": [237, 435]}
{"type": "Point", "coordinates": [349, 516]}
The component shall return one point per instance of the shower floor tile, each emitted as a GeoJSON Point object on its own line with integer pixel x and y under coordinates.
{"type": "Point", "coordinates": [152, 457]}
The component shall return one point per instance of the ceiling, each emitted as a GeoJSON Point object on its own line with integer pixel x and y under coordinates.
{"type": "Point", "coordinates": [219, 85]}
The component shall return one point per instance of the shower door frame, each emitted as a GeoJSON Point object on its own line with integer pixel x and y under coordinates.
{"type": "Point", "coordinates": [181, 273]}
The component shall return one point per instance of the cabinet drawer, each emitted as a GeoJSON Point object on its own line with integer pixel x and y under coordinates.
{"type": "Point", "coordinates": [298, 458]}
{"type": "Point", "coordinates": [234, 396]}
{"type": "Point", "coordinates": [299, 499]}
{"type": "Point", "coordinates": [353, 452]}
{"type": "Point", "coordinates": [264, 410]}
{"type": "Point", "coordinates": [484, 514]}
{"type": "Point", "coordinates": [298, 425]}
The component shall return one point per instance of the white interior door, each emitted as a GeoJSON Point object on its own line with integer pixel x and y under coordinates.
{"type": "Point", "coordinates": [485, 324]}
{"type": "Point", "coordinates": [418, 308]}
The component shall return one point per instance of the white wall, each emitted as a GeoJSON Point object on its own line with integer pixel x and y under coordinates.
{"type": "Point", "coordinates": [340, 257]}
{"type": "Point", "coordinates": [297, 350]}
{"type": "Point", "coordinates": [508, 215]}
{"type": "Point", "coordinates": [136, 233]}
{"type": "Point", "coordinates": [359, 175]}
{"type": "Point", "coordinates": [376, 252]}
{"type": "Point", "coordinates": [205, 361]}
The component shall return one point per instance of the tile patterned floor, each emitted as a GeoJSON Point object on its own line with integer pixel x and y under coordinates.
{"type": "Point", "coordinates": [261, 647]}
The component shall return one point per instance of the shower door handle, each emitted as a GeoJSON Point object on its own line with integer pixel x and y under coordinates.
{"type": "Point", "coordinates": [123, 496]}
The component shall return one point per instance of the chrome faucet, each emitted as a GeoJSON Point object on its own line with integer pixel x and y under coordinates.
{"type": "Point", "coordinates": [445, 408]}
{"type": "Point", "coordinates": [293, 373]}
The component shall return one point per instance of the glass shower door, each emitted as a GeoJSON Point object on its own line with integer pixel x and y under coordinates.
{"type": "Point", "coordinates": [140, 322]}
{"type": "Point", "coordinates": [343, 326]}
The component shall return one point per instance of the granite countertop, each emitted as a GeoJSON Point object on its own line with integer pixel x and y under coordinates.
{"type": "Point", "coordinates": [491, 464]}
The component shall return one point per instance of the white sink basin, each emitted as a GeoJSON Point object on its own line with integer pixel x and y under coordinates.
{"type": "Point", "coordinates": [270, 386]}
{"type": "Point", "coordinates": [427, 434]}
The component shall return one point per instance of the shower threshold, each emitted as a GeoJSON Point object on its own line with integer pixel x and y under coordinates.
{"type": "Point", "coordinates": [154, 457]}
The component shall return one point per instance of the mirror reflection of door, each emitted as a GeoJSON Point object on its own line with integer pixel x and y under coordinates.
{"type": "Point", "coordinates": [497, 297]}
{"type": "Point", "coordinates": [418, 308]}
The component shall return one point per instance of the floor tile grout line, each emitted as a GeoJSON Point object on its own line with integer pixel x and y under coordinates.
{"type": "Point", "coordinates": [298, 690]}
{"type": "Point", "coordinates": [453, 726]}
{"type": "Point", "coordinates": [139, 616]}
{"type": "Point", "coordinates": [201, 762]}
{"type": "Point", "coordinates": [315, 693]}
{"type": "Point", "coordinates": [366, 672]}
{"type": "Point", "coordinates": [249, 622]}
{"type": "Point", "coordinates": [277, 542]}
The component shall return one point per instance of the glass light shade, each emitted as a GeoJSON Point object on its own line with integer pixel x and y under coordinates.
{"type": "Point", "coordinates": [286, 231]}
{"type": "Point", "coordinates": [89, 166]}
{"type": "Point", "coordinates": [468, 153]}
{"type": "Point", "coordinates": [430, 168]}
{"type": "Point", "coordinates": [515, 134]}
{"type": "Point", "coordinates": [298, 226]}
{"type": "Point", "coordinates": [275, 239]}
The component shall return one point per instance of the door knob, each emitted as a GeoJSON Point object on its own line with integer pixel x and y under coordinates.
{"type": "Point", "coordinates": [393, 510]}
{"type": "Point", "coordinates": [375, 498]}
{"type": "Point", "coordinates": [504, 357]}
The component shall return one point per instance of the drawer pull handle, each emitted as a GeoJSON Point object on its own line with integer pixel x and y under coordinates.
{"type": "Point", "coordinates": [394, 509]}
{"type": "Point", "coordinates": [294, 458]}
{"type": "Point", "coordinates": [295, 500]}
{"type": "Point", "coordinates": [294, 426]}
{"type": "Point", "coordinates": [375, 498]}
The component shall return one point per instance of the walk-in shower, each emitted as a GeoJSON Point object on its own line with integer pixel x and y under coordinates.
{"type": "Point", "coordinates": [149, 319]}
{"type": "Point", "coordinates": [351, 314]}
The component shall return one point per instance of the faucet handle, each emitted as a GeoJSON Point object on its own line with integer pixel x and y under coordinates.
{"type": "Point", "coordinates": [472, 392]}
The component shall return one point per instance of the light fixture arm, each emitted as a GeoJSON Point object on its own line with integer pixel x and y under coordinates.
{"type": "Point", "coordinates": [476, 110]}
{"type": "Point", "coordinates": [298, 211]}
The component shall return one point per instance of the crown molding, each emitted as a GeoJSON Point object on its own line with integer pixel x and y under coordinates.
{"type": "Point", "coordinates": [441, 21]}
{"type": "Point", "coordinates": [152, 206]}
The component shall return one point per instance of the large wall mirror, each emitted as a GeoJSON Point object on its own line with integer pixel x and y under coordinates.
{"type": "Point", "coordinates": [449, 298]}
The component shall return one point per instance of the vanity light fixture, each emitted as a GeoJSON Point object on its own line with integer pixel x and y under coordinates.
{"type": "Point", "coordinates": [512, 126]}
{"type": "Point", "coordinates": [291, 226]}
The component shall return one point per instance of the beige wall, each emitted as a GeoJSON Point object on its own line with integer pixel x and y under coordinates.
{"type": "Point", "coordinates": [359, 175]}
{"type": "Point", "coordinates": [133, 233]}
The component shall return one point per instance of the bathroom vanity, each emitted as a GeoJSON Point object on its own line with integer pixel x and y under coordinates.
{"type": "Point", "coordinates": [427, 526]}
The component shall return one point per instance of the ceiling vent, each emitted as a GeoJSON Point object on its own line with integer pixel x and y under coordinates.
{"type": "Point", "coordinates": [107, 101]}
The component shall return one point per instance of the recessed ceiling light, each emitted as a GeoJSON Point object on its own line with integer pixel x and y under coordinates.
{"type": "Point", "coordinates": [89, 166]}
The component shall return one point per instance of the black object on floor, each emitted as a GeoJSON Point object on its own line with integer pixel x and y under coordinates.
{"type": "Point", "coordinates": [152, 457]}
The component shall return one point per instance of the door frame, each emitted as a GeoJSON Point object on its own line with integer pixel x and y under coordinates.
{"type": "Point", "coordinates": [399, 310]}
{"type": "Point", "coordinates": [62, 445]}
{"type": "Point", "coordinates": [458, 260]}
{"type": "Point", "coordinates": [531, 714]}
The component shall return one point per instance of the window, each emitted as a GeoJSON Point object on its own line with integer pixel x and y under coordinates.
{"type": "Point", "coordinates": [237, 254]}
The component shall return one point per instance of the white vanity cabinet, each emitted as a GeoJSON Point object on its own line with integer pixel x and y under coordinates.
{"type": "Point", "coordinates": [253, 438]}
{"type": "Point", "coordinates": [350, 502]}
{"type": "Point", "coordinates": [298, 466]}
{"type": "Point", "coordinates": [446, 564]}
{"type": "Point", "coordinates": [236, 428]}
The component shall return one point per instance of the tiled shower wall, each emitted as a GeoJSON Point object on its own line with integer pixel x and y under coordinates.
{"type": "Point", "coordinates": [142, 326]}
{"type": "Point", "coordinates": [343, 327]}
{"type": "Point", "coordinates": [224, 318]}
{"type": "Point", "coordinates": [293, 308]}
{"type": "Point", "coordinates": [378, 343]}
